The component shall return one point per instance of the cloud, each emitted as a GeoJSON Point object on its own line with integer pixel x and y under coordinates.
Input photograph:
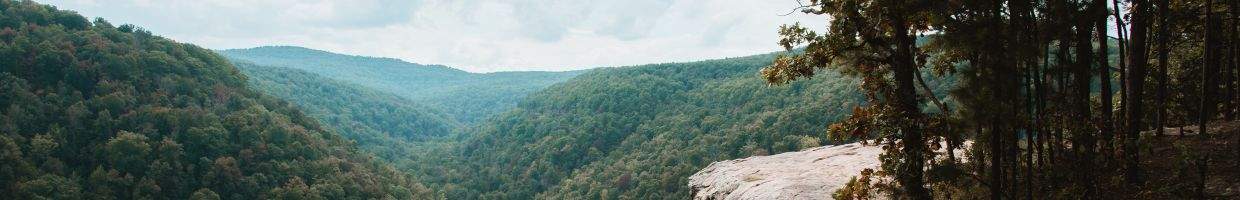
{"type": "Point", "coordinates": [474, 35]}
{"type": "Point", "coordinates": [722, 26]}
{"type": "Point", "coordinates": [630, 20]}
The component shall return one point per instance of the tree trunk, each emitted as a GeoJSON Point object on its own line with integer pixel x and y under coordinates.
{"type": "Point", "coordinates": [1064, 65]}
{"type": "Point", "coordinates": [1161, 108]}
{"type": "Point", "coordinates": [1040, 82]}
{"type": "Point", "coordinates": [1233, 85]}
{"type": "Point", "coordinates": [1136, 84]}
{"type": "Point", "coordinates": [1086, 142]}
{"type": "Point", "coordinates": [1104, 77]}
{"type": "Point", "coordinates": [1209, 85]}
{"type": "Point", "coordinates": [1123, 66]}
{"type": "Point", "coordinates": [1030, 128]}
{"type": "Point", "coordinates": [1022, 41]}
{"type": "Point", "coordinates": [914, 145]}
{"type": "Point", "coordinates": [1235, 45]}
{"type": "Point", "coordinates": [1082, 135]}
{"type": "Point", "coordinates": [1235, 48]}
{"type": "Point", "coordinates": [1222, 62]}
{"type": "Point", "coordinates": [996, 161]}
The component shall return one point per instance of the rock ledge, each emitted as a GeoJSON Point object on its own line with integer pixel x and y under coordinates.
{"type": "Point", "coordinates": [809, 174]}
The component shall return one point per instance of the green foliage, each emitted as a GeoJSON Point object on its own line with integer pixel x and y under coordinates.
{"type": "Point", "coordinates": [128, 152]}
{"type": "Point", "coordinates": [378, 121]}
{"type": "Point", "coordinates": [859, 187]}
{"type": "Point", "coordinates": [639, 132]}
{"type": "Point", "coordinates": [49, 186]}
{"type": "Point", "coordinates": [88, 110]}
{"type": "Point", "coordinates": [204, 194]}
{"type": "Point", "coordinates": [632, 132]}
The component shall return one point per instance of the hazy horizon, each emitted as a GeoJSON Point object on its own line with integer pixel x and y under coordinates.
{"type": "Point", "coordinates": [475, 36]}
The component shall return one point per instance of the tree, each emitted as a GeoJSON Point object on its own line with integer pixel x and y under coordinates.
{"type": "Point", "coordinates": [49, 186]}
{"type": "Point", "coordinates": [296, 189]}
{"type": "Point", "coordinates": [870, 39]}
{"type": "Point", "coordinates": [1135, 85]}
{"type": "Point", "coordinates": [1161, 107]}
{"type": "Point", "coordinates": [204, 194]}
{"type": "Point", "coordinates": [1086, 19]}
{"type": "Point", "coordinates": [1104, 77]}
{"type": "Point", "coordinates": [128, 152]}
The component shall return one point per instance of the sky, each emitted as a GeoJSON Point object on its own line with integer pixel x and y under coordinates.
{"type": "Point", "coordinates": [472, 35]}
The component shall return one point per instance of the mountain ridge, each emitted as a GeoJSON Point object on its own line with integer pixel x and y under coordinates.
{"type": "Point", "coordinates": [277, 50]}
{"type": "Point", "coordinates": [466, 97]}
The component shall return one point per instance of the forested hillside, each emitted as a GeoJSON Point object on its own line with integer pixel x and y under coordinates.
{"type": "Point", "coordinates": [92, 110]}
{"type": "Point", "coordinates": [391, 127]}
{"type": "Point", "coordinates": [639, 132]}
{"type": "Point", "coordinates": [464, 97]}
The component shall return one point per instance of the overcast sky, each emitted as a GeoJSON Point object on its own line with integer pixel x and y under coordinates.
{"type": "Point", "coordinates": [473, 35]}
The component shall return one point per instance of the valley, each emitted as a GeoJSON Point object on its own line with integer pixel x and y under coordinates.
{"type": "Point", "coordinates": [651, 125]}
{"type": "Point", "coordinates": [862, 99]}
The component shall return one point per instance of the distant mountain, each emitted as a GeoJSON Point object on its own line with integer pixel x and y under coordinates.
{"type": "Point", "coordinates": [465, 97]}
{"type": "Point", "coordinates": [96, 111]}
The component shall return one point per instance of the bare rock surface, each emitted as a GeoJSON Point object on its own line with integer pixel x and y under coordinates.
{"type": "Point", "coordinates": [809, 174]}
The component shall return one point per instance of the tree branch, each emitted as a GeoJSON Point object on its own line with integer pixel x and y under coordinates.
{"type": "Point", "coordinates": [800, 6]}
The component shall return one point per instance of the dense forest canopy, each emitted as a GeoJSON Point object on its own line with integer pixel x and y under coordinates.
{"type": "Point", "coordinates": [389, 126]}
{"type": "Point", "coordinates": [97, 111]}
{"type": "Point", "coordinates": [639, 132]}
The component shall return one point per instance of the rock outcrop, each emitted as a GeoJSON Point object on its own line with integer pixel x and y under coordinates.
{"type": "Point", "coordinates": [810, 174]}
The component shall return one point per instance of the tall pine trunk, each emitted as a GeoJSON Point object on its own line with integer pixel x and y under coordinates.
{"type": "Point", "coordinates": [1235, 51]}
{"type": "Point", "coordinates": [1104, 77]}
{"type": "Point", "coordinates": [1082, 135]}
{"type": "Point", "coordinates": [1123, 66]}
{"type": "Point", "coordinates": [1026, 60]}
{"type": "Point", "coordinates": [1209, 74]}
{"type": "Point", "coordinates": [1230, 65]}
{"type": "Point", "coordinates": [1235, 47]}
{"type": "Point", "coordinates": [1039, 89]}
{"type": "Point", "coordinates": [1225, 76]}
{"type": "Point", "coordinates": [1161, 108]}
{"type": "Point", "coordinates": [1136, 84]}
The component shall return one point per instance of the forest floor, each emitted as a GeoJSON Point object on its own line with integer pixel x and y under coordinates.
{"type": "Point", "coordinates": [1174, 167]}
